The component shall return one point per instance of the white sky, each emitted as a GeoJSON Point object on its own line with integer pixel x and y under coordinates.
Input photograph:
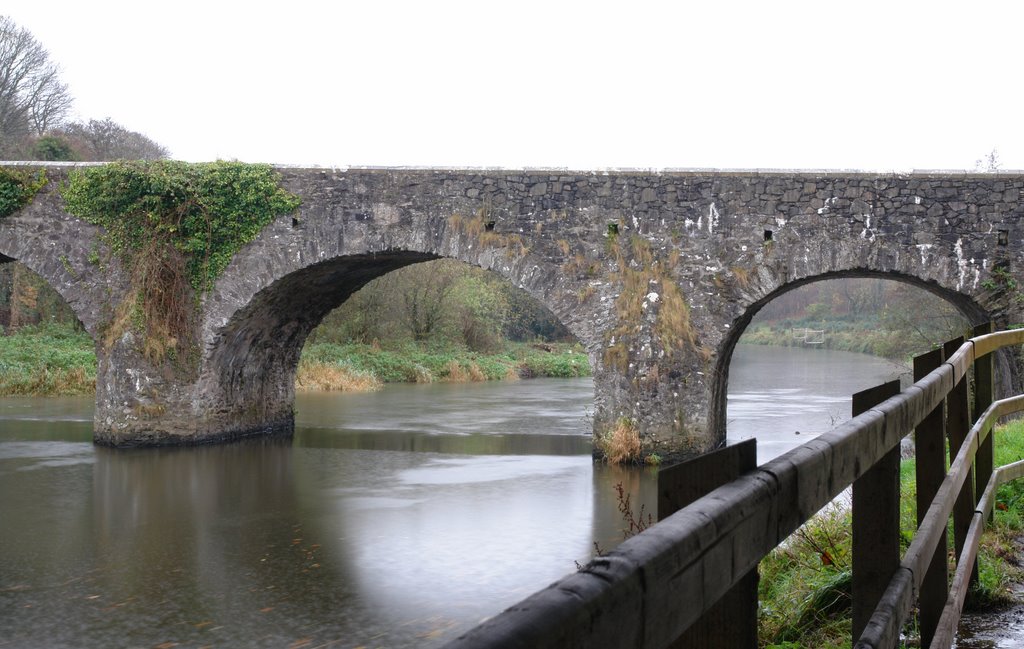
{"type": "Point", "coordinates": [590, 84]}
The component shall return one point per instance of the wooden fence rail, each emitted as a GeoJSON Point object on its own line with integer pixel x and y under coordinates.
{"type": "Point", "coordinates": [649, 590]}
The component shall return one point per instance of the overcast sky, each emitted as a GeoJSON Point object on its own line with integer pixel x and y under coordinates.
{"type": "Point", "coordinates": [856, 84]}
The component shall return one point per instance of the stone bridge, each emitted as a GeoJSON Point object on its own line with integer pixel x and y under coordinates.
{"type": "Point", "coordinates": [656, 273]}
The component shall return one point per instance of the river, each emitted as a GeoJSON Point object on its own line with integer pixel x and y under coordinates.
{"type": "Point", "coordinates": [397, 518]}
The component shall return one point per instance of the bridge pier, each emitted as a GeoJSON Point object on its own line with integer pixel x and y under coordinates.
{"type": "Point", "coordinates": [139, 403]}
{"type": "Point", "coordinates": [668, 400]}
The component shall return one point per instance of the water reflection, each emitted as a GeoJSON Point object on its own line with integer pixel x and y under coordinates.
{"type": "Point", "coordinates": [269, 543]}
{"type": "Point", "coordinates": [394, 519]}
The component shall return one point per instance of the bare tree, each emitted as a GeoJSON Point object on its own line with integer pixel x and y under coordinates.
{"type": "Point", "coordinates": [990, 162]}
{"type": "Point", "coordinates": [108, 140]}
{"type": "Point", "coordinates": [51, 102]}
{"type": "Point", "coordinates": [32, 98]}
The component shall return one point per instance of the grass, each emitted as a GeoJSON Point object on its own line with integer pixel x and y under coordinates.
{"type": "Point", "coordinates": [47, 360]}
{"type": "Point", "coordinates": [804, 590]}
{"type": "Point", "coordinates": [337, 377]}
{"type": "Point", "coordinates": [54, 360]}
{"type": "Point", "coordinates": [421, 364]}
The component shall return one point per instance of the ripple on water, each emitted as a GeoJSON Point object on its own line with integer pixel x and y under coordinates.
{"type": "Point", "coordinates": [30, 456]}
{"type": "Point", "coordinates": [489, 469]}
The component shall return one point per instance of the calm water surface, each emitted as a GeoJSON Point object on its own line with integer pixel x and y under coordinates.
{"type": "Point", "coordinates": [397, 518]}
{"type": "Point", "coordinates": [786, 396]}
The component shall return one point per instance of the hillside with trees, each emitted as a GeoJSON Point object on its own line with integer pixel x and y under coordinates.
{"type": "Point", "coordinates": [875, 316]}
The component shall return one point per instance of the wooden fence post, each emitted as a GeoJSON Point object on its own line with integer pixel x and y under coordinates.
{"type": "Point", "coordinates": [958, 424]}
{"type": "Point", "coordinates": [732, 622]}
{"type": "Point", "coordinates": [983, 396]}
{"type": "Point", "coordinates": [876, 520]}
{"type": "Point", "coordinates": [930, 451]}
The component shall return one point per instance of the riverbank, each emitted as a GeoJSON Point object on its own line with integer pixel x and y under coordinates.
{"type": "Point", "coordinates": [804, 590]}
{"type": "Point", "coordinates": [858, 337]}
{"type": "Point", "coordinates": [368, 367]}
{"type": "Point", "coordinates": [52, 360]}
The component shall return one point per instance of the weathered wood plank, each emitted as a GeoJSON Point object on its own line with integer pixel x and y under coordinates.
{"type": "Point", "coordinates": [586, 606]}
{"type": "Point", "coordinates": [876, 518]}
{"type": "Point", "coordinates": [983, 396]}
{"type": "Point", "coordinates": [959, 356]}
{"type": "Point", "coordinates": [930, 448]}
{"type": "Point", "coordinates": [883, 629]}
{"type": "Point", "coordinates": [1011, 471]}
{"type": "Point", "coordinates": [946, 630]}
{"type": "Point", "coordinates": [992, 342]}
{"type": "Point", "coordinates": [732, 620]}
{"type": "Point", "coordinates": [921, 549]}
{"type": "Point", "coordinates": [681, 484]}
{"type": "Point", "coordinates": [934, 385]}
{"type": "Point", "coordinates": [729, 510]}
{"type": "Point", "coordinates": [958, 424]}
{"type": "Point", "coordinates": [1008, 406]}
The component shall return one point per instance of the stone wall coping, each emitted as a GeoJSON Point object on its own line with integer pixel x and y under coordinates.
{"type": "Point", "coordinates": [618, 171]}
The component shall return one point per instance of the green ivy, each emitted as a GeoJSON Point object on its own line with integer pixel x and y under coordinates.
{"type": "Point", "coordinates": [175, 226]}
{"type": "Point", "coordinates": [1002, 281]}
{"type": "Point", "coordinates": [207, 211]}
{"type": "Point", "coordinates": [17, 187]}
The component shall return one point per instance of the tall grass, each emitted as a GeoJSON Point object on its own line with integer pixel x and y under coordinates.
{"type": "Point", "coordinates": [621, 444]}
{"type": "Point", "coordinates": [804, 590]}
{"type": "Point", "coordinates": [313, 375]}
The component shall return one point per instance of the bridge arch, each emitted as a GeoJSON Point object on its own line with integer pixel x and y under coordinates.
{"type": "Point", "coordinates": [257, 321]}
{"type": "Point", "coordinates": [975, 308]}
{"type": "Point", "coordinates": [58, 250]}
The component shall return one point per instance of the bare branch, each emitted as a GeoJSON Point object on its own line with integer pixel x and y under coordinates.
{"type": "Point", "coordinates": [32, 97]}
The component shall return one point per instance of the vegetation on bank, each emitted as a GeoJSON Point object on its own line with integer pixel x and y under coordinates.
{"type": "Point", "coordinates": [412, 363]}
{"type": "Point", "coordinates": [862, 337]}
{"type": "Point", "coordinates": [804, 590]}
{"type": "Point", "coordinates": [50, 360]}
{"type": "Point", "coordinates": [880, 317]}
{"type": "Point", "coordinates": [47, 360]}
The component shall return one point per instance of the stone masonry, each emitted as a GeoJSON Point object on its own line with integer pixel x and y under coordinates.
{"type": "Point", "coordinates": [656, 273]}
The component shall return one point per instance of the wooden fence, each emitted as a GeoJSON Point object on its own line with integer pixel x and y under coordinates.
{"type": "Point", "coordinates": [650, 590]}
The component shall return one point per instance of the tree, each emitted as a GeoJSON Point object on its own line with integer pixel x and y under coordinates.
{"type": "Point", "coordinates": [32, 97]}
{"type": "Point", "coordinates": [107, 140]}
{"type": "Point", "coordinates": [424, 297]}
{"type": "Point", "coordinates": [480, 308]}
{"type": "Point", "coordinates": [53, 147]}
{"type": "Point", "coordinates": [988, 163]}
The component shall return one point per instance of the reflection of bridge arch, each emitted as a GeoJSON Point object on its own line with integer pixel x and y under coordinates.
{"type": "Point", "coordinates": [655, 273]}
